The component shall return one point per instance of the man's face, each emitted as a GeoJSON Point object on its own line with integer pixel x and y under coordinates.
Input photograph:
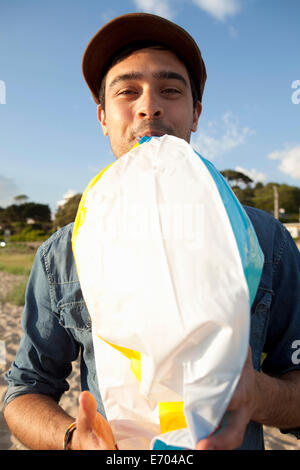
{"type": "Point", "coordinates": [148, 93]}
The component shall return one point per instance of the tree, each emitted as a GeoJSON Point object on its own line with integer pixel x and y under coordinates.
{"type": "Point", "coordinates": [67, 212]}
{"type": "Point", "coordinates": [15, 217]}
{"type": "Point", "coordinates": [236, 178]}
{"type": "Point", "coordinates": [245, 196]}
{"type": "Point", "coordinates": [2, 219]}
{"type": "Point", "coordinates": [21, 198]}
{"type": "Point", "coordinates": [240, 185]}
{"type": "Point", "coordinates": [289, 199]}
{"type": "Point", "coordinates": [13, 213]}
{"type": "Point", "coordinates": [37, 212]}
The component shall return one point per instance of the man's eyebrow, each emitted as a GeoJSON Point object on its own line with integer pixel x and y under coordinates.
{"type": "Point", "coordinates": [160, 75]}
{"type": "Point", "coordinates": [169, 75]}
{"type": "Point", "coordinates": [125, 77]}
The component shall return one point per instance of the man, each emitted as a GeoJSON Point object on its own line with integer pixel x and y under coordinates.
{"type": "Point", "coordinates": [147, 76]}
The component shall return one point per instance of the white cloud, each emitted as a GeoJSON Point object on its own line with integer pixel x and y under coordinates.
{"type": "Point", "coordinates": [219, 139]}
{"type": "Point", "coordinates": [289, 160]}
{"type": "Point", "coordinates": [255, 175]}
{"type": "Point", "coordinates": [219, 9]}
{"type": "Point", "coordinates": [68, 194]}
{"type": "Point", "coordinates": [157, 7]}
{"type": "Point", "coordinates": [8, 190]}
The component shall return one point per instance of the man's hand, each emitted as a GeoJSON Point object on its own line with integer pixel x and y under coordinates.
{"type": "Point", "coordinates": [93, 432]}
{"type": "Point", "coordinates": [231, 432]}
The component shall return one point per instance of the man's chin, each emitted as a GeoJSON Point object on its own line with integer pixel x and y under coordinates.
{"type": "Point", "coordinates": [132, 142]}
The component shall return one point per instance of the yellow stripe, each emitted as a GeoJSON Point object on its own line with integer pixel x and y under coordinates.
{"type": "Point", "coordinates": [171, 416]}
{"type": "Point", "coordinates": [136, 145]}
{"type": "Point", "coordinates": [81, 212]}
{"type": "Point", "coordinates": [133, 356]}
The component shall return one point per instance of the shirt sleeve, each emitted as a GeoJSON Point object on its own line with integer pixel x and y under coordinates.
{"type": "Point", "coordinates": [282, 345]}
{"type": "Point", "coordinates": [43, 360]}
{"type": "Point", "coordinates": [283, 333]}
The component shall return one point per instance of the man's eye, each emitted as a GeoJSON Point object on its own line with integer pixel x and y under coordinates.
{"type": "Point", "coordinates": [125, 92]}
{"type": "Point", "coordinates": [170, 91]}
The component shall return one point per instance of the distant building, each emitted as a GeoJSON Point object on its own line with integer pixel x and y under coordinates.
{"type": "Point", "coordinates": [293, 228]}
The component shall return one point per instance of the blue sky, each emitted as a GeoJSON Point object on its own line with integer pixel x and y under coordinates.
{"type": "Point", "coordinates": [50, 140]}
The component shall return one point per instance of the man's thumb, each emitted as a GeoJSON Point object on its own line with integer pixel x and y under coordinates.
{"type": "Point", "coordinates": [87, 412]}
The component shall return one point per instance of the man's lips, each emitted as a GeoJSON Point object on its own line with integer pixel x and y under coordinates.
{"type": "Point", "coordinates": [150, 129]}
{"type": "Point", "coordinates": [150, 134]}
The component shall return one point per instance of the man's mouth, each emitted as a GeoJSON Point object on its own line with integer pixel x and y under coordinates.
{"type": "Point", "coordinates": [151, 134]}
{"type": "Point", "coordinates": [150, 129]}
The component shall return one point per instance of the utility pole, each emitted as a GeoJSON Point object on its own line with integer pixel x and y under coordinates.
{"type": "Point", "coordinates": [276, 202]}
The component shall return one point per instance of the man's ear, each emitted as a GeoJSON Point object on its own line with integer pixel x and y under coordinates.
{"type": "Point", "coordinates": [102, 119]}
{"type": "Point", "coordinates": [196, 115]}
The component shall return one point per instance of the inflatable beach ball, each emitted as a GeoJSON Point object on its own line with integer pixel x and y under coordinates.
{"type": "Point", "coordinates": [169, 264]}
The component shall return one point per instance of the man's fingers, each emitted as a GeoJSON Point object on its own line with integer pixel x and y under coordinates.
{"type": "Point", "coordinates": [229, 436]}
{"type": "Point", "coordinates": [93, 431]}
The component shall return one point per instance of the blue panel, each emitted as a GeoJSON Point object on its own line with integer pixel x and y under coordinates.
{"type": "Point", "coordinates": [249, 249]}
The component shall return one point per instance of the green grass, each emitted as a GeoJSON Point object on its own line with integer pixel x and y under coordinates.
{"type": "Point", "coordinates": [17, 259]}
{"type": "Point", "coordinates": [16, 264]}
{"type": "Point", "coordinates": [16, 295]}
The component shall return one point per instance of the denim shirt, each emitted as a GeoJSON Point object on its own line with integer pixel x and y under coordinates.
{"type": "Point", "coordinates": [57, 325]}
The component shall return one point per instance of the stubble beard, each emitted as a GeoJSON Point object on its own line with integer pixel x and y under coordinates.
{"type": "Point", "coordinates": [151, 127]}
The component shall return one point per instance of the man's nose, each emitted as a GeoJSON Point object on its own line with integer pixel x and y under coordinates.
{"type": "Point", "coordinates": [149, 107]}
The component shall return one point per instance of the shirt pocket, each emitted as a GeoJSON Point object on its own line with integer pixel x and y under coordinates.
{"type": "Point", "coordinates": [75, 315]}
{"type": "Point", "coordinates": [259, 323]}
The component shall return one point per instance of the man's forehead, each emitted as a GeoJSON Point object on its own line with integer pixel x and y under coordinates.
{"type": "Point", "coordinates": [158, 60]}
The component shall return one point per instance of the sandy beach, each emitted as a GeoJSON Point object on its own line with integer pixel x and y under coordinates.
{"type": "Point", "coordinates": [10, 334]}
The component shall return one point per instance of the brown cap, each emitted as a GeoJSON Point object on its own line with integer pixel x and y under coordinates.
{"type": "Point", "coordinates": [127, 29]}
